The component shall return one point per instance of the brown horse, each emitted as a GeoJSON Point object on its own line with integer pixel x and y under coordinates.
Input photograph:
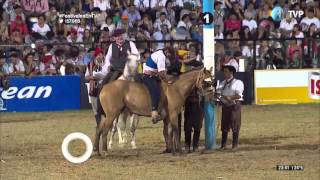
{"type": "Point", "coordinates": [134, 97]}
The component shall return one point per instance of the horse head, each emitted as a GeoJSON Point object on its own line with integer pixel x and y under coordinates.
{"type": "Point", "coordinates": [205, 82]}
{"type": "Point", "coordinates": [131, 67]}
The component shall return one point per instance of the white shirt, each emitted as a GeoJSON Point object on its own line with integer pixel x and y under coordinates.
{"type": "Point", "coordinates": [159, 58]}
{"type": "Point", "coordinates": [19, 67]}
{"type": "Point", "coordinates": [287, 26]}
{"type": "Point", "coordinates": [102, 4]}
{"type": "Point", "coordinates": [145, 3]}
{"type": "Point", "coordinates": [41, 30]}
{"type": "Point", "coordinates": [233, 63]}
{"type": "Point", "coordinates": [111, 27]}
{"type": "Point", "coordinates": [235, 87]}
{"type": "Point", "coordinates": [194, 2]}
{"type": "Point", "coordinates": [309, 21]}
{"type": "Point", "coordinates": [252, 24]}
{"type": "Point", "coordinates": [105, 67]}
{"type": "Point", "coordinates": [158, 23]}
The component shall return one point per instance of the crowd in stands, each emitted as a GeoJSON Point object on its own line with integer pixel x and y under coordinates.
{"type": "Point", "coordinates": [240, 27]}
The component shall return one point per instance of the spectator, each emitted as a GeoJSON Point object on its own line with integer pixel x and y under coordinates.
{"type": "Point", "coordinates": [20, 25]}
{"type": "Point", "coordinates": [62, 6]}
{"type": "Point", "coordinates": [229, 60]}
{"type": "Point", "coordinates": [171, 14]}
{"type": "Point", "coordinates": [146, 24]}
{"type": "Point", "coordinates": [162, 20]}
{"type": "Point", "coordinates": [185, 22]}
{"type": "Point", "coordinates": [41, 29]}
{"type": "Point", "coordinates": [4, 33]}
{"type": "Point", "coordinates": [197, 34]}
{"type": "Point", "coordinates": [16, 36]}
{"type": "Point", "coordinates": [87, 39]}
{"type": "Point", "coordinates": [251, 10]}
{"type": "Point", "coordinates": [133, 14]}
{"type": "Point", "coordinates": [4, 67]}
{"type": "Point", "coordinates": [109, 24]}
{"type": "Point", "coordinates": [294, 54]}
{"type": "Point", "coordinates": [103, 5]}
{"type": "Point", "coordinates": [35, 7]}
{"type": "Point", "coordinates": [312, 31]}
{"type": "Point", "coordinates": [278, 56]}
{"type": "Point", "coordinates": [286, 25]}
{"type": "Point", "coordinates": [264, 12]}
{"type": "Point", "coordinates": [163, 34]}
{"type": "Point", "coordinates": [31, 67]}
{"type": "Point", "coordinates": [124, 23]}
{"type": "Point", "coordinates": [296, 33]}
{"type": "Point", "coordinates": [74, 37]}
{"type": "Point", "coordinates": [52, 16]}
{"type": "Point", "coordinates": [232, 23]}
{"type": "Point", "coordinates": [89, 56]}
{"type": "Point", "coordinates": [17, 12]}
{"type": "Point", "coordinates": [116, 18]}
{"type": "Point", "coordinates": [237, 10]}
{"type": "Point", "coordinates": [16, 67]}
{"type": "Point", "coordinates": [8, 7]}
{"type": "Point", "coordinates": [47, 65]}
{"type": "Point", "coordinates": [218, 14]}
{"type": "Point", "coordinates": [86, 5]}
{"type": "Point", "coordinates": [245, 33]}
{"type": "Point", "coordinates": [181, 33]}
{"type": "Point", "coordinates": [105, 35]}
{"type": "Point", "coordinates": [311, 19]}
{"type": "Point", "coordinates": [249, 22]}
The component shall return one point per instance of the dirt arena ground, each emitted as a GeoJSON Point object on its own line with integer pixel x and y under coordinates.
{"type": "Point", "coordinates": [270, 136]}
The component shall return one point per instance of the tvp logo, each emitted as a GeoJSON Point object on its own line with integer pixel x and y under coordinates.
{"type": "Point", "coordinates": [314, 85]}
{"type": "Point", "coordinates": [277, 14]}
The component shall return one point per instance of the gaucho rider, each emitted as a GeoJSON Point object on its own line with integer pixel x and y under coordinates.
{"type": "Point", "coordinates": [153, 69]}
{"type": "Point", "coordinates": [115, 61]}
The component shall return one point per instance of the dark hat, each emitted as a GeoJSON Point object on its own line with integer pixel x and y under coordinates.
{"type": "Point", "coordinates": [237, 54]}
{"type": "Point", "coordinates": [118, 32]}
{"type": "Point", "coordinates": [230, 68]}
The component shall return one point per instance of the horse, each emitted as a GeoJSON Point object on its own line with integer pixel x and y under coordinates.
{"type": "Point", "coordinates": [119, 125]}
{"type": "Point", "coordinates": [119, 96]}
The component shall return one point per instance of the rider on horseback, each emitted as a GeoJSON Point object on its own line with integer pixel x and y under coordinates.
{"type": "Point", "coordinates": [153, 69]}
{"type": "Point", "coordinates": [115, 61]}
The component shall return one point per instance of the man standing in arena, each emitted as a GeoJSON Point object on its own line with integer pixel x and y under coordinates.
{"type": "Point", "coordinates": [115, 61]}
{"type": "Point", "coordinates": [94, 66]}
{"type": "Point", "coordinates": [230, 91]}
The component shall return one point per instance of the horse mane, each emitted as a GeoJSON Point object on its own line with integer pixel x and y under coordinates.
{"type": "Point", "coordinates": [191, 71]}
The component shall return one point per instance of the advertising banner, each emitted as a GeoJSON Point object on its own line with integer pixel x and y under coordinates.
{"type": "Point", "coordinates": [287, 86]}
{"type": "Point", "coordinates": [41, 93]}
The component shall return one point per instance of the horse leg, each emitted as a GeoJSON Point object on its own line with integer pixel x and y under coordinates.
{"type": "Point", "coordinates": [176, 140]}
{"type": "Point", "coordinates": [134, 120]}
{"type": "Point", "coordinates": [105, 128]}
{"type": "Point", "coordinates": [97, 138]}
{"type": "Point", "coordinates": [113, 132]}
{"type": "Point", "coordinates": [166, 136]}
{"type": "Point", "coordinates": [121, 128]}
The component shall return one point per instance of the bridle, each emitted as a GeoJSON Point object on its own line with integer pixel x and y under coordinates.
{"type": "Point", "coordinates": [201, 82]}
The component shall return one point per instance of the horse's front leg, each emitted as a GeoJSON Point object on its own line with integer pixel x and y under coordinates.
{"type": "Point", "coordinates": [106, 126]}
{"type": "Point", "coordinates": [121, 128]}
{"type": "Point", "coordinates": [99, 130]}
{"type": "Point", "coordinates": [134, 120]}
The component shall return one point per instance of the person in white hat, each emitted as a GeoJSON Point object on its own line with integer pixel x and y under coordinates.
{"type": "Point", "coordinates": [230, 94]}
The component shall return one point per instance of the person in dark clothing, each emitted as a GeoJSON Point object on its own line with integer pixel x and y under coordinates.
{"type": "Point", "coordinates": [115, 62]}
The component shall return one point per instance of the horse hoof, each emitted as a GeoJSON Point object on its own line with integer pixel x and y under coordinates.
{"type": "Point", "coordinates": [104, 154]}
{"type": "Point", "coordinates": [95, 153]}
{"type": "Point", "coordinates": [133, 145]}
{"type": "Point", "coordinates": [166, 151]}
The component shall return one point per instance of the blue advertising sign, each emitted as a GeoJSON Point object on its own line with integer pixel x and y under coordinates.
{"type": "Point", "coordinates": [41, 93]}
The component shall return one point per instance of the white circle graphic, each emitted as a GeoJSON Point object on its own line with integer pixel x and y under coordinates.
{"type": "Point", "coordinates": [74, 136]}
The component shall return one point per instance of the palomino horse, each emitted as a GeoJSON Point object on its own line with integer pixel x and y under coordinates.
{"type": "Point", "coordinates": [119, 96]}
{"type": "Point", "coordinates": [119, 125]}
